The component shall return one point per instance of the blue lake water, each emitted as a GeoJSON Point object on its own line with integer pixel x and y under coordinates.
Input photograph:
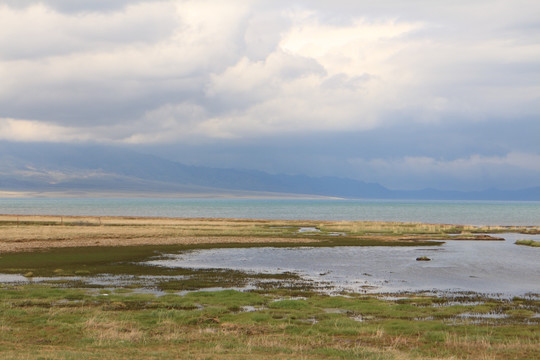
{"type": "Point", "coordinates": [449, 212]}
{"type": "Point", "coordinates": [488, 267]}
{"type": "Point", "coordinates": [479, 266]}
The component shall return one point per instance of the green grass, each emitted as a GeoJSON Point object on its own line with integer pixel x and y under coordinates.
{"type": "Point", "coordinates": [65, 323]}
{"type": "Point", "coordinates": [532, 243]}
{"type": "Point", "coordinates": [127, 260]}
{"type": "Point", "coordinates": [284, 319]}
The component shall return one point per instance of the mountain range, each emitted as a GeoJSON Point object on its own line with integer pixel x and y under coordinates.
{"type": "Point", "coordinates": [94, 169]}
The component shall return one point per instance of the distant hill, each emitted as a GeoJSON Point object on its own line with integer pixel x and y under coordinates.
{"type": "Point", "coordinates": [91, 168]}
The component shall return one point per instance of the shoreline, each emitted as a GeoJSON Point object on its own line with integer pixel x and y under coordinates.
{"type": "Point", "coordinates": [40, 245]}
{"type": "Point", "coordinates": [39, 232]}
{"type": "Point", "coordinates": [106, 299]}
{"type": "Point", "coordinates": [159, 195]}
{"type": "Point", "coordinates": [433, 212]}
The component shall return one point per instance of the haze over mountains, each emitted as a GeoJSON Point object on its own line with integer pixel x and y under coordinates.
{"type": "Point", "coordinates": [92, 169]}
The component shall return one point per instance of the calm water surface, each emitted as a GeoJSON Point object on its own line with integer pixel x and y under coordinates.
{"type": "Point", "coordinates": [490, 267]}
{"type": "Point", "coordinates": [449, 212]}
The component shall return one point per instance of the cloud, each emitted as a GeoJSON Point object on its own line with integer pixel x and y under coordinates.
{"type": "Point", "coordinates": [27, 131]}
{"type": "Point", "coordinates": [260, 70]}
{"type": "Point", "coordinates": [38, 31]}
{"type": "Point", "coordinates": [167, 124]}
{"type": "Point", "coordinates": [512, 170]}
{"type": "Point", "coordinates": [419, 75]}
{"type": "Point", "coordinates": [79, 6]}
{"type": "Point", "coordinates": [117, 81]}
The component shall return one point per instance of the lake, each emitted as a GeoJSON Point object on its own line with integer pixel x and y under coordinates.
{"type": "Point", "coordinates": [479, 266]}
{"type": "Point", "coordinates": [488, 267]}
{"type": "Point", "coordinates": [449, 212]}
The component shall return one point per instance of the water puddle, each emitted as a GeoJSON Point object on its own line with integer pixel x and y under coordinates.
{"type": "Point", "coordinates": [292, 298]}
{"type": "Point", "coordinates": [457, 303]}
{"type": "Point", "coordinates": [249, 308]}
{"type": "Point", "coordinates": [211, 289]}
{"type": "Point", "coordinates": [478, 316]}
{"type": "Point", "coordinates": [308, 229]}
{"type": "Point", "coordinates": [458, 268]}
{"type": "Point", "coordinates": [13, 278]}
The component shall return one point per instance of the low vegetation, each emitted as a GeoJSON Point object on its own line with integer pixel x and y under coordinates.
{"type": "Point", "coordinates": [65, 323]}
{"type": "Point", "coordinates": [48, 246]}
{"type": "Point", "coordinates": [68, 316]}
{"type": "Point", "coordinates": [532, 243]}
{"type": "Point", "coordinates": [28, 233]}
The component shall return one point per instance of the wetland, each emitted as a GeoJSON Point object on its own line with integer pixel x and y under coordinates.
{"type": "Point", "coordinates": [133, 287]}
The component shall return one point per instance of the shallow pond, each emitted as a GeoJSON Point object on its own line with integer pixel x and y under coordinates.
{"type": "Point", "coordinates": [488, 267]}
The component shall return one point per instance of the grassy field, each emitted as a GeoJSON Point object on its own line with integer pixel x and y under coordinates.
{"type": "Point", "coordinates": [88, 246]}
{"type": "Point", "coordinates": [40, 322]}
{"type": "Point", "coordinates": [67, 317]}
{"type": "Point", "coordinates": [28, 233]}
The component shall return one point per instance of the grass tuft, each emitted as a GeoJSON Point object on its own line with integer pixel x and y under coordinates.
{"type": "Point", "coordinates": [531, 243]}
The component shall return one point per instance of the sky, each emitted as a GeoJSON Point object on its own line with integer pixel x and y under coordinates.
{"type": "Point", "coordinates": [409, 94]}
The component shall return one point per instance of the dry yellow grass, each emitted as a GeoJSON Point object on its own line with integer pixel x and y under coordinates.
{"type": "Point", "coordinates": [106, 331]}
{"type": "Point", "coordinates": [32, 232]}
{"type": "Point", "coordinates": [27, 233]}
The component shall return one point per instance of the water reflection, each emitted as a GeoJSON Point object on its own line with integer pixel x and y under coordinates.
{"type": "Point", "coordinates": [490, 267]}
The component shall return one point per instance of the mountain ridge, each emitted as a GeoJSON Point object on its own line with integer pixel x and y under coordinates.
{"type": "Point", "coordinates": [92, 168]}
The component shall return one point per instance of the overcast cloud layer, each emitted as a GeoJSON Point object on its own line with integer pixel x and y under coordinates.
{"type": "Point", "coordinates": [410, 94]}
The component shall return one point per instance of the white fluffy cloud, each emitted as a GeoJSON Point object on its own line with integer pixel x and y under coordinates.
{"type": "Point", "coordinates": [256, 69]}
